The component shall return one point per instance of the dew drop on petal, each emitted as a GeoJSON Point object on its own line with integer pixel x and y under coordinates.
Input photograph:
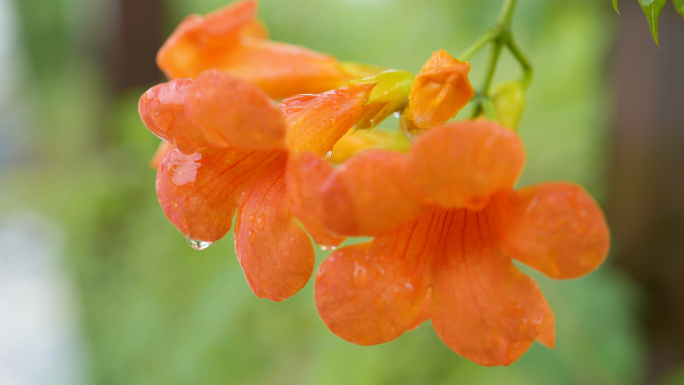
{"type": "Point", "coordinates": [335, 105]}
{"type": "Point", "coordinates": [250, 236]}
{"type": "Point", "coordinates": [360, 273]}
{"type": "Point", "coordinates": [196, 244]}
{"type": "Point", "coordinates": [261, 221]}
{"type": "Point", "coordinates": [327, 247]}
{"type": "Point", "coordinates": [251, 218]}
{"type": "Point", "coordinates": [328, 155]}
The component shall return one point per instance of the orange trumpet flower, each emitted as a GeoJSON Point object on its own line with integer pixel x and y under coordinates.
{"type": "Point", "coordinates": [232, 39]}
{"type": "Point", "coordinates": [447, 226]}
{"type": "Point", "coordinates": [232, 145]}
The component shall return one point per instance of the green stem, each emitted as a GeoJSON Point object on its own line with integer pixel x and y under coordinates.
{"type": "Point", "coordinates": [479, 44]}
{"type": "Point", "coordinates": [522, 60]}
{"type": "Point", "coordinates": [506, 16]}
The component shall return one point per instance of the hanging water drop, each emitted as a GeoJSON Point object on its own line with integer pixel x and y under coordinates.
{"type": "Point", "coordinates": [328, 155]}
{"type": "Point", "coordinates": [197, 244]}
{"type": "Point", "coordinates": [327, 247]}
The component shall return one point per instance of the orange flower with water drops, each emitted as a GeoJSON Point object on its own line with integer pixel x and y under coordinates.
{"type": "Point", "coordinates": [232, 39]}
{"type": "Point", "coordinates": [229, 147]}
{"type": "Point", "coordinates": [447, 225]}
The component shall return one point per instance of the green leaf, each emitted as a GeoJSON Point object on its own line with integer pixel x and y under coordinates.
{"type": "Point", "coordinates": [652, 9]}
{"type": "Point", "coordinates": [679, 4]}
{"type": "Point", "coordinates": [615, 5]}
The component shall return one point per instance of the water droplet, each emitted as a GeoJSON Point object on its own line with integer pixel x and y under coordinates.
{"type": "Point", "coordinates": [251, 218]}
{"type": "Point", "coordinates": [397, 114]}
{"type": "Point", "coordinates": [328, 155]}
{"type": "Point", "coordinates": [261, 221]}
{"type": "Point", "coordinates": [335, 105]}
{"type": "Point", "coordinates": [250, 236]}
{"type": "Point", "coordinates": [196, 244]}
{"type": "Point", "coordinates": [360, 273]}
{"type": "Point", "coordinates": [332, 121]}
{"type": "Point", "coordinates": [327, 247]}
{"type": "Point", "coordinates": [408, 286]}
{"type": "Point", "coordinates": [156, 113]}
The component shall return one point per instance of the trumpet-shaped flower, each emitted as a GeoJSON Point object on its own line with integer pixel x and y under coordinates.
{"type": "Point", "coordinates": [447, 225]}
{"type": "Point", "coordinates": [233, 40]}
{"type": "Point", "coordinates": [232, 145]}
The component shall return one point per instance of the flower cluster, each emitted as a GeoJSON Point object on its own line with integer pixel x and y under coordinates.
{"type": "Point", "coordinates": [437, 197]}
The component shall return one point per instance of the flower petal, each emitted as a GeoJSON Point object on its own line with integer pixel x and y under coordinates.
{"type": "Point", "coordinates": [163, 149]}
{"type": "Point", "coordinates": [280, 69]}
{"type": "Point", "coordinates": [483, 307]}
{"type": "Point", "coordinates": [232, 112]}
{"type": "Point", "coordinates": [306, 173]}
{"type": "Point", "coordinates": [369, 195]}
{"type": "Point", "coordinates": [462, 164]}
{"type": "Point", "coordinates": [197, 39]}
{"type": "Point", "coordinates": [317, 122]}
{"type": "Point", "coordinates": [216, 110]}
{"type": "Point", "coordinates": [372, 292]}
{"type": "Point", "coordinates": [555, 228]}
{"type": "Point", "coordinates": [232, 40]}
{"type": "Point", "coordinates": [199, 193]}
{"type": "Point", "coordinates": [440, 90]}
{"type": "Point", "coordinates": [273, 250]}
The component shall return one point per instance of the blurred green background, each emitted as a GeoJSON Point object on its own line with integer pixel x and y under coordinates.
{"type": "Point", "coordinates": [136, 305]}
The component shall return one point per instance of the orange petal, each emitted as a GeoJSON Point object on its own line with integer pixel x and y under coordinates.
{"type": "Point", "coordinates": [425, 311]}
{"type": "Point", "coordinates": [306, 173]}
{"type": "Point", "coordinates": [162, 109]}
{"type": "Point", "coordinates": [372, 292]}
{"type": "Point", "coordinates": [216, 110]}
{"type": "Point", "coordinates": [483, 307]}
{"type": "Point", "coordinates": [199, 193]}
{"type": "Point", "coordinates": [280, 69]}
{"type": "Point", "coordinates": [316, 122]}
{"type": "Point", "coordinates": [369, 195]}
{"type": "Point", "coordinates": [555, 228]}
{"type": "Point", "coordinates": [232, 40]}
{"type": "Point", "coordinates": [440, 90]}
{"type": "Point", "coordinates": [232, 112]}
{"type": "Point", "coordinates": [163, 149]}
{"type": "Point", "coordinates": [274, 251]}
{"type": "Point", "coordinates": [192, 44]}
{"type": "Point", "coordinates": [462, 164]}
{"type": "Point", "coordinates": [547, 331]}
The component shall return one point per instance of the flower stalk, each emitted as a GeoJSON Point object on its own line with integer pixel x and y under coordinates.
{"type": "Point", "coordinates": [500, 36]}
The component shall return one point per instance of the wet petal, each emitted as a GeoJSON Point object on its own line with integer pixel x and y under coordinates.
{"type": "Point", "coordinates": [483, 307]}
{"type": "Point", "coordinates": [163, 149]}
{"type": "Point", "coordinates": [274, 251]}
{"type": "Point", "coordinates": [216, 110]}
{"type": "Point", "coordinates": [372, 292]}
{"type": "Point", "coordinates": [556, 228]}
{"type": "Point", "coordinates": [306, 173]}
{"type": "Point", "coordinates": [462, 164]}
{"type": "Point", "coordinates": [199, 193]}
{"type": "Point", "coordinates": [316, 122]}
{"type": "Point", "coordinates": [162, 109]}
{"type": "Point", "coordinates": [232, 112]}
{"type": "Point", "coordinates": [440, 90]}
